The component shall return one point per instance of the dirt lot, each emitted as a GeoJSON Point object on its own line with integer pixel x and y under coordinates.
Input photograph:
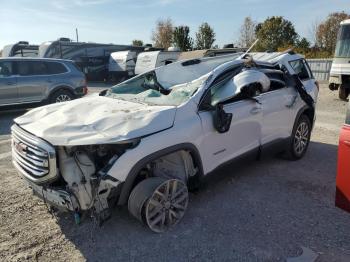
{"type": "Point", "coordinates": [262, 211]}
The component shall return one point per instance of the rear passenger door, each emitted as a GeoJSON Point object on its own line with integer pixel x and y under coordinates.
{"type": "Point", "coordinates": [278, 117]}
{"type": "Point", "coordinates": [33, 81]}
{"type": "Point", "coordinates": [8, 84]}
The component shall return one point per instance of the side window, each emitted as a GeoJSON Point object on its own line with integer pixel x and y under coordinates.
{"type": "Point", "coordinates": [28, 68]}
{"type": "Point", "coordinates": [300, 69]}
{"type": "Point", "coordinates": [55, 68]}
{"type": "Point", "coordinates": [276, 84]}
{"type": "Point", "coordinates": [5, 68]}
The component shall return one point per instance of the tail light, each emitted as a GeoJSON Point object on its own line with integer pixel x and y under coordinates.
{"type": "Point", "coordinates": [85, 88]}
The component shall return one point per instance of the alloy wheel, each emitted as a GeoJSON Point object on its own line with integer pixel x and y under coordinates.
{"type": "Point", "coordinates": [301, 138]}
{"type": "Point", "coordinates": [63, 98]}
{"type": "Point", "coordinates": [167, 205]}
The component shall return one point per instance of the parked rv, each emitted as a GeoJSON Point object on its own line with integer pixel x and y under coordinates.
{"type": "Point", "coordinates": [22, 48]}
{"type": "Point", "coordinates": [92, 58]}
{"type": "Point", "coordinates": [340, 71]}
{"type": "Point", "coordinates": [147, 61]}
{"type": "Point", "coordinates": [121, 65]}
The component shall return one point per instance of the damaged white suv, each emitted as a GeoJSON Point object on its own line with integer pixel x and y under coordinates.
{"type": "Point", "coordinates": [148, 140]}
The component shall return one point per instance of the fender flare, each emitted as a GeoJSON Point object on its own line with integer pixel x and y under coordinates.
{"type": "Point", "coordinates": [129, 182]}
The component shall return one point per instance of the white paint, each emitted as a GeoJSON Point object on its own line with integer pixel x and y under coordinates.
{"type": "Point", "coordinates": [95, 120]}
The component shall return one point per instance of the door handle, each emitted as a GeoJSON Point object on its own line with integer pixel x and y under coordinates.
{"type": "Point", "coordinates": [255, 110]}
{"type": "Point", "coordinates": [11, 83]}
{"type": "Point", "coordinates": [346, 142]}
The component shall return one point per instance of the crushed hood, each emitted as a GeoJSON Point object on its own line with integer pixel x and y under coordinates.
{"type": "Point", "coordinates": [95, 120]}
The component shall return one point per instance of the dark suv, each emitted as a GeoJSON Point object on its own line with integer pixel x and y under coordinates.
{"type": "Point", "coordinates": [39, 80]}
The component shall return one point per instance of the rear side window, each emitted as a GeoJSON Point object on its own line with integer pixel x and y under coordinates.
{"type": "Point", "coordinates": [301, 69]}
{"type": "Point", "coordinates": [29, 68]}
{"type": "Point", "coordinates": [5, 68]}
{"type": "Point", "coordinates": [55, 68]}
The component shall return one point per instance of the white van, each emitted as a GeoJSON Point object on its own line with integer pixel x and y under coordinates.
{"type": "Point", "coordinates": [122, 65]}
{"type": "Point", "coordinates": [149, 60]}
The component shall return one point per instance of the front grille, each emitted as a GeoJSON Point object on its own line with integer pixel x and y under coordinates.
{"type": "Point", "coordinates": [33, 157]}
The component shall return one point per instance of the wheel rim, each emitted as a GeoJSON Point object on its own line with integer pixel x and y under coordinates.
{"type": "Point", "coordinates": [63, 98]}
{"type": "Point", "coordinates": [301, 138]}
{"type": "Point", "coordinates": [167, 205]}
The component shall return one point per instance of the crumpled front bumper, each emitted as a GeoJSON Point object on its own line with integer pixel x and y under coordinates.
{"type": "Point", "coordinates": [58, 198]}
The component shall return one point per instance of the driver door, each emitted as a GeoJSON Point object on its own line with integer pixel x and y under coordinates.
{"type": "Point", "coordinates": [242, 136]}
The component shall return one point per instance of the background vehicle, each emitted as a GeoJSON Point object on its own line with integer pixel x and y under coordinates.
{"type": "Point", "coordinates": [35, 80]}
{"type": "Point", "coordinates": [121, 65]}
{"type": "Point", "coordinates": [340, 71]}
{"type": "Point", "coordinates": [150, 139]}
{"type": "Point", "coordinates": [22, 48]}
{"type": "Point", "coordinates": [149, 60]}
{"type": "Point", "coordinates": [342, 199]}
{"type": "Point", "coordinates": [92, 58]}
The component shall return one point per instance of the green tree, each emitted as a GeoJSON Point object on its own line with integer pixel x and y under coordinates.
{"type": "Point", "coordinates": [303, 43]}
{"type": "Point", "coordinates": [182, 39]}
{"type": "Point", "coordinates": [162, 36]}
{"type": "Point", "coordinates": [326, 33]}
{"type": "Point", "coordinates": [275, 32]}
{"type": "Point", "coordinates": [137, 42]}
{"type": "Point", "coordinates": [205, 37]}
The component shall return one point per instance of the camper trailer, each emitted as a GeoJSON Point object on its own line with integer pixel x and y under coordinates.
{"type": "Point", "coordinates": [340, 72]}
{"type": "Point", "coordinates": [149, 60]}
{"type": "Point", "coordinates": [92, 58]}
{"type": "Point", "coordinates": [22, 48]}
{"type": "Point", "coordinates": [121, 65]}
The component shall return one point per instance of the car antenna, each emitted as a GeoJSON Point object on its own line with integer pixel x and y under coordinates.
{"type": "Point", "coordinates": [250, 48]}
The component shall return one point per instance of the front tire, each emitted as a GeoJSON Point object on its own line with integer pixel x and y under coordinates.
{"type": "Point", "coordinates": [158, 202]}
{"type": "Point", "coordinates": [61, 96]}
{"type": "Point", "coordinates": [300, 139]}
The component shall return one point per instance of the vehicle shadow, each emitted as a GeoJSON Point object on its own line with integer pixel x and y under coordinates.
{"type": "Point", "coordinates": [246, 210]}
{"type": "Point", "coordinates": [7, 117]}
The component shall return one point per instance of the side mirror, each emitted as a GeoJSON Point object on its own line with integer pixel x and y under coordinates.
{"type": "Point", "coordinates": [221, 119]}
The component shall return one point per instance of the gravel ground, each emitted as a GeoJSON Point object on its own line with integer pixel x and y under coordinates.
{"type": "Point", "coordinates": [262, 211]}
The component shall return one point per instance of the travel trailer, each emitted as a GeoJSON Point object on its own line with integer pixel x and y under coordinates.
{"type": "Point", "coordinates": [92, 58]}
{"type": "Point", "coordinates": [147, 61]}
{"type": "Point", "coordinates": [122, 65]}
{"type": "Point", "coordinates": [22, 48]}
{"type": "Point", "coordinates": [340, 72]}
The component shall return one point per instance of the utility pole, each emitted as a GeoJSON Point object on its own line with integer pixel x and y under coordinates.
{"type": "Point", "coordinates": [76, 33]}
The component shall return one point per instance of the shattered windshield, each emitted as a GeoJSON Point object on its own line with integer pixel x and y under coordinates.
{"type": "Point", "coordinates": [173, 84]}
{"type": "Point", "coordinates": [152, 93]}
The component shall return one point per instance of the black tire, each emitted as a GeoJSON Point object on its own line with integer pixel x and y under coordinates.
{"type": "Point", "coordinates": [159, 203]}
{"type": "Point", "coordinates": [343, 93]}
{"type": "Point", "coordinates": [61, 95]}
{"type": "Point", "coordinates": [300, 139]}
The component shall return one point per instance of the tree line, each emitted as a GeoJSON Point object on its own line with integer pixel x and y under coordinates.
{"type": "Point", "coordinates": [275, 34]}
{"type": "Point", "coordinates": [166, 35]}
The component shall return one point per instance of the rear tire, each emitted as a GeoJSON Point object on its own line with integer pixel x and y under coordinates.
{"type": "Point", "coordinates": [60, 96]}
{"type": "Point", "coordinates": [300, 139]}
{"type": "Point", "coordinates": [159, 202]}
{"type": "Point", "coordinates": [343, 93]}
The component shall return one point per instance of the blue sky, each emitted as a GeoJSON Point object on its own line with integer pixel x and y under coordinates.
{"type": "Point", "coordinates": [121, 21]}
